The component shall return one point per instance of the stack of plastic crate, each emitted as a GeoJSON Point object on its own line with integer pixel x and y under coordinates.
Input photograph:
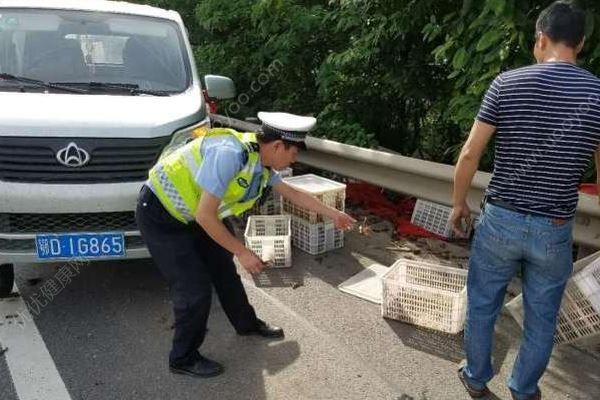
{"type": "Point", "coordinates": [271, 205]}
{"type": "Point", "coordinates": [425, 294]}
{"type": "Point", "coordinates": [435, 218]}
{"type": "Point", "coordinates": [269, 237]}
{"type": "Point", "coordinates": [579, 313]}
{"type": "Point", "coordinates": [312, 232]}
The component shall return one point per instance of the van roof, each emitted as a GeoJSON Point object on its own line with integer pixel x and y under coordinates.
{"type": "Point", "coordinates": [93, 5]}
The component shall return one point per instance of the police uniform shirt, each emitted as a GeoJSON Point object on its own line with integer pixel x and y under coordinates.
{"type": "Point", "coordinates": [222, 159]}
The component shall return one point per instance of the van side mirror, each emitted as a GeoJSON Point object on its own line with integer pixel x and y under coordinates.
{"type": "Point", "coordinates": [219, 87]}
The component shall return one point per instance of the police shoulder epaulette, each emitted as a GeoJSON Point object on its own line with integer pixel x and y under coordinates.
{"type": "Point", "coordinates": [254, 146]}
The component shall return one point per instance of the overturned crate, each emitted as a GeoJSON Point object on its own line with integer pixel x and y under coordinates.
{"type": "Point", "coordinates": [435, 218]}
{"type": "Point", "coordinates": [269, 237]}
{"type": "Point", "coordinates": [579, 313]}
{"type": "Point", "coordinates": [425, 294]}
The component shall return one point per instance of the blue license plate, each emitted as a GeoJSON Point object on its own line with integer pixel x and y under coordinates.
{"type": "Point", "coordinates": [80, 245]}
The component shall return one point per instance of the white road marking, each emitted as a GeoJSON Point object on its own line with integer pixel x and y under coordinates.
{"type": "Point", "coordinates": [33, 372]}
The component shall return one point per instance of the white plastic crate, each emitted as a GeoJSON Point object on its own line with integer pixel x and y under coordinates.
{"type": "Point", "coordinates": [579, 313]}
{"type": "Point", "coordinates": [329, 192]}
{"type": "Point", "coordinates": [588, 282]}
{"type": "Point", "coordinates": [272, 204]}
{"type": "Point", "coordinates": [435, 218]}
{"type": "Point", "coordinates": [269, 236]}
{"type": "Point", "coordinates": [316, 238]}
{"type": "Point", "coordinates": [425, 294]}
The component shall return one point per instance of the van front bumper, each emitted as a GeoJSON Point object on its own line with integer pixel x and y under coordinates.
{"type": "Point", "coordinates": [30, 209]}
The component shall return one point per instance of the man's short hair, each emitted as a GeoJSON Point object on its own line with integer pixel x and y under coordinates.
{"type": "Point", "coordinates": [563, 22]}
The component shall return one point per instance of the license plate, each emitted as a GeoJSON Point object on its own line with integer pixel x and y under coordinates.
{"type": "Point", "coordinates": [80, 245]}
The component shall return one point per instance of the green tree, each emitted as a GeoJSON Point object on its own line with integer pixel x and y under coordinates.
{"type": "Point", "coordinates": [186, 8]}
{"type": "Point", "coordinates": [482, 39]}
{"type": "Point", "coordinates": [405, 74]}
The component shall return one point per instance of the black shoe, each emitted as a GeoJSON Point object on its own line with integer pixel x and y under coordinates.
{"type": "Point", "coordinates": [203, 368]}
{"type": "Point", "coordinates": [265, 330]}
{"type": "Point", "coordinates": [473, 392]}
{"type": "Point", "coordinates": [536, 396]}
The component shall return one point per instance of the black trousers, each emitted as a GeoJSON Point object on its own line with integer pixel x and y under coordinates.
{"type": "Point", "coordinates": [192, 263]}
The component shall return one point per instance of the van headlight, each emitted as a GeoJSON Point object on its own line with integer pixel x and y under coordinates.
{"type": "Point", "coordinates": [183, 136]}
{"type": "Point", "coordinates": [186, 135]}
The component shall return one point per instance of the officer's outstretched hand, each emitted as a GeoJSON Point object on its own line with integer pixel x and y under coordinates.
{"type": "Point", "coordinates": [343, 221]}
{"type": "Point", "coordinates": [251, 262]}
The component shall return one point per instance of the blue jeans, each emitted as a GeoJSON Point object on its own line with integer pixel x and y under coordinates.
{"type": "Point", "coordinates": [505, 243]}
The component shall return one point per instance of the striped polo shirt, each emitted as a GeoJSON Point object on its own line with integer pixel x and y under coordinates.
{"type": "Point", "coordinates": [548, 127]}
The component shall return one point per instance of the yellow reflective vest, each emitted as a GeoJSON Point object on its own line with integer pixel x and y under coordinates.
{"type": "Point", "coordinates": [172, 178]}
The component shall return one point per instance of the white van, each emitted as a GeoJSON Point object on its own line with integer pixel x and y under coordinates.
{"type": "Point", "coordinates": [91, 92]}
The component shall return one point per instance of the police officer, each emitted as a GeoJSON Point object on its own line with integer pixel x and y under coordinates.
{"type": "Point", "coordinates": [182, 214]}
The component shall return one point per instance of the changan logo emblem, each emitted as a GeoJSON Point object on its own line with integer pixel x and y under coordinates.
{"type": "Point", "coordinates": [73, 156]}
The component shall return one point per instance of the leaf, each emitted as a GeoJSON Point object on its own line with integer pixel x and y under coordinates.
{"type": "Point", "coordinates": [449, 17]}
{"type": "Point", "coordinates": [497, 6]}
{"type": "Point", "coordinates": [509, 10]}
{"type": "Point", "coordinates": [504, 52]}
{"type": "Point", "coordinates": [491, 56]}
{"type": "Point", "coordinates": [589, 24]}
{"type": "Point", "coordinates": [596, 53]}
{"type": "Point", "coordinates": [487, 40]}
{"type": "Point", "coordinates": [466, 7]}
{"type": "Point", "coordinates": [460, 59]}
{"type": "Point", "coordinates": [454, 74]}
{"type": "Point", "coordinates": [440, 51]}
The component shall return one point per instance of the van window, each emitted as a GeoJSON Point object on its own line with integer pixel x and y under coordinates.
{"type": "Point", "coordinates": [77, 46]}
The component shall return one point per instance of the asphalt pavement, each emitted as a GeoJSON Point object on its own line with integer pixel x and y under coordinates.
{"type": "Point", "coordinates": [108, 333]}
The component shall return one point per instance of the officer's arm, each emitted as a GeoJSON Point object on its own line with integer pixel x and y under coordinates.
{"type": "Point", "coordinates": [304, 200]}
{"type": "Point", "coordinates": [206, 216]}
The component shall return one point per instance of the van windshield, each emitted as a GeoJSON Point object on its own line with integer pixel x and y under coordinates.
{"type": "Point", "coordinates": [64, 46]}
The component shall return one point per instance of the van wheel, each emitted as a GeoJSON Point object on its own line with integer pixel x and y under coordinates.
{"type": "Point", "coordinates": [7, 279]}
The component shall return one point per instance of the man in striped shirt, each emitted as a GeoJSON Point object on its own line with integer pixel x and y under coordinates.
{"type": "Point", "coordinates": [546, 121]}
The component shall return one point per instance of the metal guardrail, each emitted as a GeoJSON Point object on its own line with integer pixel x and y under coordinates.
{"type": "Point", "coordinates": [419, 178]}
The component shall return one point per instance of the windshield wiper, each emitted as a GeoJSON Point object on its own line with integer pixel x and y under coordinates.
{"type": "Point", "coordinates": [132, 88]}
{"type": "Point", "coordinates": [152, 92]}
{"type": "Point", "coordinates": [36, 82]}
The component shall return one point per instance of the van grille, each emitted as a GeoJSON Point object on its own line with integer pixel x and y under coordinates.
{"type": "Point", "coordinates": [57, 223]}
{"type": "Point", "coordinates": [32, 159]}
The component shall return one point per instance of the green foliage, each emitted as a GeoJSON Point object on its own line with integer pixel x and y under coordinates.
{"type": "Point", "coordinates": [185, 9]}
{"type": "Point", "coordinates": [334, 124]}
{"type": "Point", "coordinates": [379, 69]}
{"type": "Point", "coordinates": [494, 36]}
{"type": "Point", "coordinates": [405, 74]}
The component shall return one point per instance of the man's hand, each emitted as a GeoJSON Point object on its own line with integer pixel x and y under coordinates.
{"type": "Point", "coordinates": [456, 219]}
{"type": "Point", "coordinates": [343, 221]}
{"type": "Point", "coordinates": [250, 261]}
